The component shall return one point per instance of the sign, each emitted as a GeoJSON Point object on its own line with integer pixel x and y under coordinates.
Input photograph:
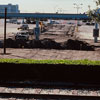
{"type": "Point", "coordinates": [95, 32]}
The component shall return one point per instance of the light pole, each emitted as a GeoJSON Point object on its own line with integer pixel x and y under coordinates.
{"type": "Point", "coordinates": [55, 11]}
{"type": "Point", "coordinates": [65, 11]}
{"type": "Point", "coordinates": [89, 7]}
{"type": "Point", "coordinates": [5, 31]}
{"type": "Point", "coordinates": [77, 6]}
{"type": "Point", "coordinates": [60, 10]}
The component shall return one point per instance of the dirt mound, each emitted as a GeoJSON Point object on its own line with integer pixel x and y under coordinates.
{"type": "Point", "coordinates": [77, 45]}
{"type": "Point", "coordinates": [1, 44]}
{"type": "Point", "coordinates": [49, 44]}
{"type": "Point", "coordinates": [34, 44]}
{"type": "Point", "coordinates": [21, 44]}
{"type": "Point", "coordinates": [44, 43]}
{"type": "Point", "coordinates": [10, 43]}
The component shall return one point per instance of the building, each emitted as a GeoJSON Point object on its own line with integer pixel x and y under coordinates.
{"type": "Point", "coordinates": [10, 8]}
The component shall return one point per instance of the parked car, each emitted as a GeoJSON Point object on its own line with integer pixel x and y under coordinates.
{"type": "Point", "coordinates": [22, 35]}
{"type": "Point", "coordinates": [24, 27]}
{"type": "Point", "coordinates": [90, 23]}
{"type": "Point", "coordinates": [17, 23]}
{"type": "Point", "coordinates": [70, 23]}
{"type": "Point", "coordinates": [79, 24]}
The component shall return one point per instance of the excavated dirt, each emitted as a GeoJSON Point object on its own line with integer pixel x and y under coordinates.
{"type": "Point", "coordinates": [77, 45]}
{"type": "Point", "coordinates": [70, 44]}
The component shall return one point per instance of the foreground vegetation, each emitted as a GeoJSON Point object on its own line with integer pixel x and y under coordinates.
{"type": "Point", "coordinates": [67, 62]}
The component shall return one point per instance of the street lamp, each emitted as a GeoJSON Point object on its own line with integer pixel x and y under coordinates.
{"type": "Point", "coordinates": [89, 7]}
{"type": "Point", "coordinates": [55, 9]}
{"type": "Point", "coordinates": [77, 6]}
{"type": "Point", "coordinates": [65, 11]}
{"type": "Point", "coordinates": [60, 10]}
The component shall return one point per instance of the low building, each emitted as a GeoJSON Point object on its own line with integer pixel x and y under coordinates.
{"type": "Point", "coordinates": [10, 8]}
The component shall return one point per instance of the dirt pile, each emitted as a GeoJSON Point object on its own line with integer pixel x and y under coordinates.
{"type": "Point", "coordinates": [34, 44]}
{"type": "Point", "coordinates": [1, 44]}
{"type": "Point", "coordinates": [77, 45]}
{"type": "Point", "coordinates": [46, 43]}
{"type": "Point", "coordinates": [50, 44]}
{"type": "Point", "coordinates": [10, 43]}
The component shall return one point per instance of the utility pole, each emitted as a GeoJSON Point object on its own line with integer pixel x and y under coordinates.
{"type": "Point", "coordinates": [5, 31]}
{"type": "Point", "coordinates": [96, 33]}
{"type": "Point", "coordinates": [59, 10]}
{"type": "Point", "coordinates": [55, 8]}
{"type": "Point", "coordinates": [77, 7]}
{"type": "Point", "coordinates": [37, 30]}
{"type": "Point", "coordinates": [89, 7]}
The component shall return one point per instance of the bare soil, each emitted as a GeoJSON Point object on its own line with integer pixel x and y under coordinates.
{"type": "Point", "coordinates": [59, 34]}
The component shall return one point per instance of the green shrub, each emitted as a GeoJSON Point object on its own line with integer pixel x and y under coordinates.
{"type": "Point", "coordinates": [67, 62]}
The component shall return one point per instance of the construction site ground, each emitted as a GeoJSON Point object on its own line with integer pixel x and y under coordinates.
{"type": "Point", "coordinates": [59, 33]}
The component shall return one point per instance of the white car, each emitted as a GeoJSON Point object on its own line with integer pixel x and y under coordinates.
{"type": "Point", "coordinates": [22, 35]}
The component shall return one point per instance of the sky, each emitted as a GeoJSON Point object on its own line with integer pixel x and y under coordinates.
{"type": "Point", "coordinates": [51, 6]}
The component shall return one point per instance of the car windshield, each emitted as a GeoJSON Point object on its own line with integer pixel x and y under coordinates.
{"type": "Point", "coordinates": [23, 33]}
{"type": "Point", "coordinates": [25, 25]}
{"type": "Point", "coordinates": [21, 36]}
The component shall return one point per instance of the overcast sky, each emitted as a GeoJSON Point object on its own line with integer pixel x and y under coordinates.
{"type": "Point", "coordinates": [50, 6]}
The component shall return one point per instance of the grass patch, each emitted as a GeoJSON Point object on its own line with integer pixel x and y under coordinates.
{"type": "Point", "coordinates": [66, 62]}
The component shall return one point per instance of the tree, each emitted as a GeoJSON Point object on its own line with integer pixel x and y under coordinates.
{"type": "Point", "coordinates": [95, 16]}
{"type": "Point", "coordinates": [95, 13]}
{"type": "Point", "coordinates": [97, 2]}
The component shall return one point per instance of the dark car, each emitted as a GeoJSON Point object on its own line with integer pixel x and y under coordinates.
{"type": "Point", "coordinates": [24, 27]}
